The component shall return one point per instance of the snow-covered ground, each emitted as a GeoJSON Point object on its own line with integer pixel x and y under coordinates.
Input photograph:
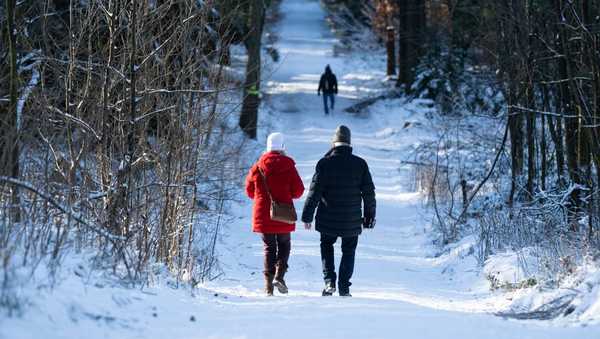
{"type": "Point", "coordinates": [400, 289]}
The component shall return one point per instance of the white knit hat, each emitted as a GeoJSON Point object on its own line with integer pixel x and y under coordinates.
{"type": "Point", "coordinates": [275, 142]}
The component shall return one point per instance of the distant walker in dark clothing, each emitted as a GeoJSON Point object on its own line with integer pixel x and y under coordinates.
{"type": "Point", "coordinates": [328, 84]}
{"type": "Point", "coordinates": [341, 185]}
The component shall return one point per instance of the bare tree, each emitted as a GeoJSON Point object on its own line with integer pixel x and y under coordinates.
{"type": "Point", "coordinates": [9, 119]}
{"type": "Point", "coordinates": [131, 149]}
{"type": "Point", "coordinates": [412, 21]}
{"type": "Point", "coordinates": [253, 29]}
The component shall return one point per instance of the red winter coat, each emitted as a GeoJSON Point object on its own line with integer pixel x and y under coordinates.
{"type": "Point", "coordinates": [285, 184]}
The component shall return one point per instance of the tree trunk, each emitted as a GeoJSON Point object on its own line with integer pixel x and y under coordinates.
{"type": "Point", "coordinates": [530, 104]}
{"type": "Point", "coordinates": [403, 44]}
{"type": "Point", "coordinates": [9, 121]}
{"type": "Point", "coordinates": [412, 26]}
{"type": "Point", "coordinates": [543, 153]}
{"type": "Point", "coordinates": [572, 116]}
{"type": "Point", "coordinates": [391, 50]}
{"type": "Point", "coordinates": [531, 132]}
{"type": "Point", "coordinates": [505, 33]}
{"type": "Point", "coordinates": [515, 126]}
{"type": "Point", "coordinates": [595, 121]}
{"type": "Point", "coordinates": [106, 119]}
{"type": "Point", "coordinates": [118, 210]}
{"type": "Point", "coordinates": [556, 132]}
{"type": "Point", "coordinates": [249, 114]}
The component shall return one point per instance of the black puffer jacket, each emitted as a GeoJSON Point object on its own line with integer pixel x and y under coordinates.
{"type": "Point", "coordinates": [328, 83]}
{"type": "Point", "coordinates": [341, 184]}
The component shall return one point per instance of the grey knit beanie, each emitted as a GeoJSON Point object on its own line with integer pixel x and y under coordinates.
{"type": "Point", "coordinates": [342, 134]}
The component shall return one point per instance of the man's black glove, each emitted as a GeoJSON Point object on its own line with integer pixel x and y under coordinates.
{"type": "Point", "coordinates": [369, 222]}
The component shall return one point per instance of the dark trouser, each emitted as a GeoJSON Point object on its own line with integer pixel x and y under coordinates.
{"type": "Point", "coordinates": [277, 252]}
{"type": "Point", "coordinates": [346, 265]}
{"type": "Point", "coordinates": [331, 98]}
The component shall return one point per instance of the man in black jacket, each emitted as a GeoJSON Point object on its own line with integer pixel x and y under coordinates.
{"type": "Point", "coordinates": [340, 187]}
{"type": "Point", "coordinates": [328, 84]}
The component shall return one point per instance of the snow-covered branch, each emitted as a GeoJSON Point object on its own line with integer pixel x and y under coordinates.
{"type": "Point", "coordinates": [67, 210]}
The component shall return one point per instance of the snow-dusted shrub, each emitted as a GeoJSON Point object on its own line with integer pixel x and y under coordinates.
{"type": "Point", "coordinates": [449, 169]}
{"type": "Point", "coordinates": [529, 243]}
{"type": "Point", "coordinates": [129, 145]}
{"type": "Point", "coordinates": [457, 86]}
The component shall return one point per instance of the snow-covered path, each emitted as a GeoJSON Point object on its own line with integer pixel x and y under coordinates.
{"type": "Point", "coordinates": [401, 290]}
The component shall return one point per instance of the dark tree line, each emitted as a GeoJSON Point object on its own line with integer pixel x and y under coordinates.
{"type": "Point", "coordinates": [543, 56]}
{"type": "Point", "coordinates": [547, 56]}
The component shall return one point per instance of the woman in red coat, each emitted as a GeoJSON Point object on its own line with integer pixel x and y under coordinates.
{"type": "Point", "coordinates": [285, 185]}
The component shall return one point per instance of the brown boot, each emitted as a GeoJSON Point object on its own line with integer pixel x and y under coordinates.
{"type": "Point", "coordinates": [269, 284]}
{"type": "Point", "coordinates": [279, 282]}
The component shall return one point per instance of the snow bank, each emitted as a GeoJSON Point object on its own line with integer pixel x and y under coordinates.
{"type": "Point", "coordinates": [575, 301]}
{"type": "Point", "coordinates": [587, 303]}
{"type": "Point", "coordinates": [513, 269]}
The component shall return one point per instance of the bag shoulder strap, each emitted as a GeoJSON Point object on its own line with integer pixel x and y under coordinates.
{"type": "Point", "coordinates": [264, 180]}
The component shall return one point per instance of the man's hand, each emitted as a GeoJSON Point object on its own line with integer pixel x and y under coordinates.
{"type": "Point", "coordinates": [318, 94]}
{"type": "Point", "coordinates": [307, 226]}
{"type": "Point", "coordinates": [369, 222]}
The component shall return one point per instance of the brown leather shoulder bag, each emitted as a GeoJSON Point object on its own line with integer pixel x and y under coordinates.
{"type": "Point", "coordinates": [280, 211]}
